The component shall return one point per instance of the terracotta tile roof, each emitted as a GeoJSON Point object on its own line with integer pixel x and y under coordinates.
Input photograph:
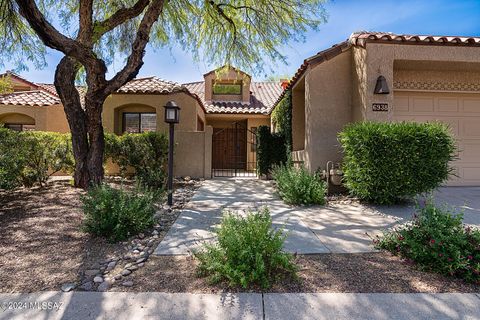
{"type": "Point", "coordinates": [29, 98]}
{"type": "Point", "coordinates": [262, 98]}
{"type": "Point", "coordinates": [361, 39]}
{"type": "Point", "coordinates": [151, 85]}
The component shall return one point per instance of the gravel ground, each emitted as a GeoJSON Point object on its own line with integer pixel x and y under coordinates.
{"type": "Point", "coordinates": [359, 273]}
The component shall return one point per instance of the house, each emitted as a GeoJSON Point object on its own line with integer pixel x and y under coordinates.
{"type": "Point", "coordinates": [388, 77]}
{"type": "Point", "coordinates": [218, 118]}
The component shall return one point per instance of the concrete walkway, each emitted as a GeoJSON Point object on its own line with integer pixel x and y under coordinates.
{"type": "Point", "coordinates": [122, 305]}
{"type": "Point", "coordinates": [311, 230]}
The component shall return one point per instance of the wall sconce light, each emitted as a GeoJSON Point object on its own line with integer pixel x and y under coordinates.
{"type": "Point", "coordinates": [381, 87]}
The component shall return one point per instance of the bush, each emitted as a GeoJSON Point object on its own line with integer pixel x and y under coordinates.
{"type": "Point", "coordinates": [437, 241]}
{"type": "Point", "coordinates": [271, 150]}
{"type": "Point", "coordinates": [282, 118]}
{"type": "Point", "coordinates": [298, 186]}
{"type": "Point", "coordinates": [146, 153]}
{"type": "Point", "coordinates": [385, 162]}
{"type": "Point", "coordinates": [27, 158]}
{"type": "Point", "coordinates": [249, 252]}
{"type": "Point", "coordinates": [117, 214]}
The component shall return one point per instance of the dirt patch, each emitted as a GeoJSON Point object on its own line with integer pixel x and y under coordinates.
{"type": "Point", "coordinates": [42, 245]}
{"type": "Point", "coordinates": [361, 273]}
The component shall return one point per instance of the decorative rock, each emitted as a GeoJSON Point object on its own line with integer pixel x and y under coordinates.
{"type": "Point", "coordinates": [127, 283]}
{"type": "Point", "coordinates": [132, 268]}
{"type": "Point", "coordinates": [141, 260]}
{"type": "Point", "coordinates": [136, 251]}
{"type": "Point", "coordinates": [155, 237]}
{"type": "Point", "coordinates": [92, 272]}
{"type": "Point", "coordinates": [87, 286]}
{"type": "Point", "coordinates": [128, 265]}
{"type": "Point", "coordinates": [104, 286]}
{"type": "Point", "coordinates": [141, 236]}
{"type": "Point", "coordinates": [187, 178]}
{"type": "Point", "coordinates": [140, 265]}
{"type": "Point", "coordinates": [98, 279]}
{"type": "Point", "coordinates": [118, 277]}
{"type": "Point", "coordinates": [111, 265]}
{"type": "Point", "coordinates": [126, 272]}
{"type": "Point", "coordinates": [155, 232]}
{"type": "Point", "coordinates": [67, 287]}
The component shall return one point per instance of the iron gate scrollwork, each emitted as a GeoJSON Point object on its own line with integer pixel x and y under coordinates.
{"type": "Point", "coordinates": [234, 151]}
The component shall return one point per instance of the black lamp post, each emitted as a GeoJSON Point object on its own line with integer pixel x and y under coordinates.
{"type": "Point", "coordinates": [172, 116]}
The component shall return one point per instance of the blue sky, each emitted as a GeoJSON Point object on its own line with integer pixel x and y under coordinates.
{"type": "Point", "coordinates": [437, 17]}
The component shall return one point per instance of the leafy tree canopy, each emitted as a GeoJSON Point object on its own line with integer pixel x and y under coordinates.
{"type": "Point", "coordinates": [232, 32]}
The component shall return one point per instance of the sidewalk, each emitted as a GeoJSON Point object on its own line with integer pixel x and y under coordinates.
{"type": "Point", "coordinates": [121, 305]}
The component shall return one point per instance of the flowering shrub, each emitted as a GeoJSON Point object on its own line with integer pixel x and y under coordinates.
{"type": "Point", "coordinates": [437, 241]}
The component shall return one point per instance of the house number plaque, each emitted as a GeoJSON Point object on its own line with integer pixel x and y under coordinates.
{"type": "Point", "coordinates": [380, 107]}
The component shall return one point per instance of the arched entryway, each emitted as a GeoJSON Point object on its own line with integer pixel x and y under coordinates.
{"type": "Point", "coordinates": [17, 121]}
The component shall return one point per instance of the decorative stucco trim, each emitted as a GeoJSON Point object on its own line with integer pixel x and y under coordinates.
{"type": "Point", "coordinates": [436, 86]}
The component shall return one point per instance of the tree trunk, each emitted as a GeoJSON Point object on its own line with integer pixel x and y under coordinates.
{"type": "Point", "coordinates": [85, 126]}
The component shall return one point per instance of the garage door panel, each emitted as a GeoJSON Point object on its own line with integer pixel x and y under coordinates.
{"type": "Point", "coordinates": [461, 112]}
{"type": "Point", "coordinates": [471, 105]}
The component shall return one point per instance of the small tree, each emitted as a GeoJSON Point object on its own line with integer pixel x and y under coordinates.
{"type": "Point", "coordinates": [6, 85]}
{"type": "Point", "coordinates": [239, 32]}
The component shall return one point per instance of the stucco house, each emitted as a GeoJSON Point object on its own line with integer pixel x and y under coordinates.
{"type": "Point", "coordinates": [388, 77]}
{"type": "Point", "coordinates": [218, 118]}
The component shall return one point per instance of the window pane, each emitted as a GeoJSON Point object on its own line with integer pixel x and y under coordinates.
{"type": "Point", "coordinates": [227, 88]}
{"type": "Point", "coordinates": [149, 122]}
{"type": "Point", "coordinates": [132, 122]}
{"type": "Point", "coordinates": [28, 127]}
{"type": "Point", "coordinates": [15, 127]}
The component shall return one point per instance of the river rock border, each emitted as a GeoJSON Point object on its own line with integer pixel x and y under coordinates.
{"type": "Point", "coordinates": [116, 271]}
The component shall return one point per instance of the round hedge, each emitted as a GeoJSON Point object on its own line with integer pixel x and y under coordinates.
{"type": "Point", "coordinates": [385, 162]}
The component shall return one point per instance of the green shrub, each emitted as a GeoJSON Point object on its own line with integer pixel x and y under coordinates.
{"type": "Point", "coordinates": [249, 252]}
{"type": "Point", "coordinates": [117, 214]}
{"type": "Point", "coordinates": [12, 159]}
{"type": "Point", "coordinates": [282, 118]}
{"type": "Point", "coordinates": [146, 153]}
{"type": "Point", "coordinates": [437, 241]}
{"type": "Point", "coordinates": [298, 186]}
{"type": "Point", "coordinates": [385, 162]}
{"type": "Point", "coordinates": [271, 150]}
{"type": "Point", "coordinates": [27, 158]}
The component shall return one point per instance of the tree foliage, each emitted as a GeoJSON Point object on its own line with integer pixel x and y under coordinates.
{"type": "Point", "coordinates": [234, 32]}
{"type": "Point", "coordinates": [282, 119]}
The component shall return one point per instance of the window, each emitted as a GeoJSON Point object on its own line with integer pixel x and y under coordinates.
{"type": "Point", "coordinates": [137, 122]}
{"type": "Point", "coordinates": [20, 127]}
{"type": "Point", "coordinates": [227, 87]}
{"type": "Point", "coordinates": [200, 124]}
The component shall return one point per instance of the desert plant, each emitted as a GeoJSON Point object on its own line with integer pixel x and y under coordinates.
{"type": "Point", "coordinates": [117, 214]}
{"type": "Point", "coordinates": [248, 252]}
{"type": "Point", "coordinates": [436, 240]}
{"type": "Point", "coordinates": [12, 159]}
{"type": "Point", "coordinates": [386, 162]}
{"type": "Point", "coordinates": [298, 186]}
{"type": "Point", "coordinates": [146, 153]}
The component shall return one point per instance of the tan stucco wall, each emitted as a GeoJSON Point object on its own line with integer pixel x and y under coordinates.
{"type": "Point", "coordinates": [46, 118]}
{"type": "Point", "coordinates": [328, 98]}
{"type": "Point", "coordinates": [298, 116]}
{"type": "Point", "coordinates": [193, 154]}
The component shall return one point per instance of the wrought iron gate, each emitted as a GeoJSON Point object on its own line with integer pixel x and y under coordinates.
{"type": "Point", "coordinates": [234, 151]}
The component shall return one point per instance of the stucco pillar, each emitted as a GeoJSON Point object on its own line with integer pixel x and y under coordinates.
{"type": "Point", "coordinates": [208, 152]}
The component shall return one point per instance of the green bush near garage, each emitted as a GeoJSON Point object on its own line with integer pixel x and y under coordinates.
{"type": "Point", "coordinates": [387, 162]}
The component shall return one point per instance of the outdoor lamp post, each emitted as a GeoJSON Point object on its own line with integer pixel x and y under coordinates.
{"type": "Point", "coordinates": [172, 116]}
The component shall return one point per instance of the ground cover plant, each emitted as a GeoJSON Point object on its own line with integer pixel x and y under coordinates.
{"type": "Point", "coordinates": [387, 162]}
{"type": "Point", "coordinates": [248, 252]}
{"type": "Point", "coordinates": [117, 214]}
{"type": "Point", "coordinates": [436, 240]}
{"type": "Point", "coordinates": [298, 186]}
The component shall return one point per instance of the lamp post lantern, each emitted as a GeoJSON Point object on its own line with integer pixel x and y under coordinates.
{"type": "Point", "coordinates": [172, 116]}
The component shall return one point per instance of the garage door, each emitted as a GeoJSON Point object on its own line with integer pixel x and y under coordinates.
{"type": "Point", "coordinates": [461, 112]}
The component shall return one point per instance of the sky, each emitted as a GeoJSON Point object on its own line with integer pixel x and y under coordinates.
{"type": "Point", "coordinates": [435, 17]}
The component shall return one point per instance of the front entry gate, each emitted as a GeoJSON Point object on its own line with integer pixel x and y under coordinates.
{"type": "Point", "coordinates": [234, 151]}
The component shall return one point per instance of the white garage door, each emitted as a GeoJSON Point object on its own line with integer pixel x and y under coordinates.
{"type": "Point", "coordinates": [461, 112]}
